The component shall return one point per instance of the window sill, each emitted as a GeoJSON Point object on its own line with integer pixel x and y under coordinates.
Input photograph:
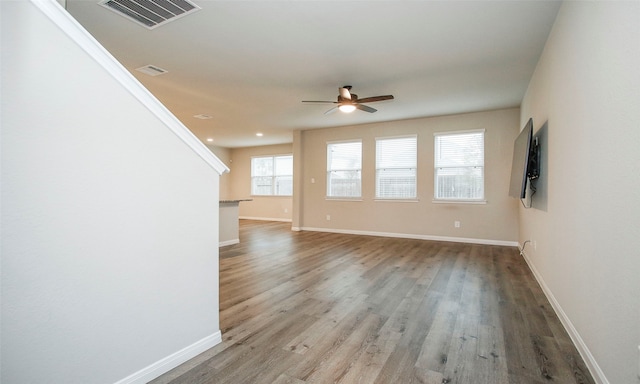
{"type": "Point", "coordinates": [396, 200]}
{"type": "Point", "coordinates": [444, 201]}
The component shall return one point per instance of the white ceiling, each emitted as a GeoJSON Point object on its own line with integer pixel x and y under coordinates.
{"type": "Point", "coordinates": [249, 64]}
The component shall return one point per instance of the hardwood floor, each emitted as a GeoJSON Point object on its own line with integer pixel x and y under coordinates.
{"type": "Point", "coordinates": [311, 307]}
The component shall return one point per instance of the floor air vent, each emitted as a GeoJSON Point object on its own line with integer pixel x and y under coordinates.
{"type": "Point", "coordinates": [151, 13]}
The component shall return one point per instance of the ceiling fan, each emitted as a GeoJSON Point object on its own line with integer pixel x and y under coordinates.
{"type": "Point", "coordinates": [349, 102]}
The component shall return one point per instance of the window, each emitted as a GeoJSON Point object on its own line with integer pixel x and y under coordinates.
{"type": "Point", "coordinates": [396, 168]}
{"type": "Point", "coordinates": [272, 175]}
{"type": "Point", "coordinates": [459, 165]}
{"type": "Point", "coordinates": [344, 169]}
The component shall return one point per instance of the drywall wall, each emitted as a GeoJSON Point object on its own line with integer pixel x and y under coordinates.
{"type": "Point", "coordinates": [495, 221]}
{"type": "Point", "coordinates": [224, 154]}
{"type": "Point", "coordinates": [586, 89]}
{"type": "Point", "coordinates": [109, 220]}
{"type": "Point", "coordinates": [261, 207]}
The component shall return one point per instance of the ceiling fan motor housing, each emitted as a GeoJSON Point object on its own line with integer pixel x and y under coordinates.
{"type": "Point", "coordinates": [348, 99]}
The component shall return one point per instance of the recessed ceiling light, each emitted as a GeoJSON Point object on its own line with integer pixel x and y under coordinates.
{"type": "Point", "coordinates": [202, 116]}
{"type": "Point", "coordinates": [259, 134]}
{"type": "Point", "coordinates": [210, 140]}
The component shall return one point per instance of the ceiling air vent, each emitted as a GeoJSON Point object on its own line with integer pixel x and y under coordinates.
{"type": "Point", "coordinates": [151, 13]}
{"type": "Point", "coordinates": [152, 70]}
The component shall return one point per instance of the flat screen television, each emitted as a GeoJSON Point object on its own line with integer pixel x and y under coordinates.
{"type": "Point", "coordinates": [524, 163]}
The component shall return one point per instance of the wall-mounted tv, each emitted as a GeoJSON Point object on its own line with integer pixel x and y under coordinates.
{"type": "Point", "coordinates": [525, 164]}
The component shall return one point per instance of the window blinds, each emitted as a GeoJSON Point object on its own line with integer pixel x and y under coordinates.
{"type": "Point", "coordinates": [344, 168]}
{"type": "Point", "coordinates": [272, 175]}
{"type": "Point", "coordinates": [459, 165]}
{"type": "Point", "coordinates": [396, 167]}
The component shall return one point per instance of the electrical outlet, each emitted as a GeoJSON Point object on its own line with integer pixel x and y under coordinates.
{"type": "Point", "coordinates": [313, 181]}
{"type": "Point", "coordinates": [328, 217]}
{"type": "Point", "coordinates": [535, 245]}
{"type": "Point", "coordinates": [286, 210]}
{"type": "Point", "coordinates": [456, 224]}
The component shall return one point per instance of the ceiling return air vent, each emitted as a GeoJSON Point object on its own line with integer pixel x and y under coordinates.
{"type": "Point", "coordinates": [151, 13]}
{"type": "Point", "coordinates": [152, 70]}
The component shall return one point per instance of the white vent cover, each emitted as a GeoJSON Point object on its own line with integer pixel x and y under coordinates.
{"type": "Point", "coordinates": [150, 13]}
{"type": "Point", "coordinates": [152, 70]}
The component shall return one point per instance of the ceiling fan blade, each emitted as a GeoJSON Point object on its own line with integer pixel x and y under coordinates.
{"type": "Point", "coordinates": [375, 98]}
{"type": "Point", "coordinates": [319, 101]}
{"type": "Point", "coordinates": [331, 110]}
{"type": "Point", "coordinates": [365, 108]}
{"type": "Point", "coordinates": [344, 93]}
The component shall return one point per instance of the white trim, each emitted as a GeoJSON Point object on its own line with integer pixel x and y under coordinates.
{"type": "Point", "coordinates": [228, 242]}
{"type": "Point", "coordinates": [414, 135]}
{"type": "Point", "coordinates": [175, 359]}
{"type": "Point", "coordinates": [264, 219]}
{"type": "Point", "coordinates": [459, 132]}
{"type": "Point", "coordinates": [584, 351]}
{"type": "Point", "coordinates": [415, 236]}
{"type": "Point", "coordinates": [345, 141]}
{"type": "Point", "coordinates": [276, 155]}
{"type": "Point", "coordinates": [93, 48]}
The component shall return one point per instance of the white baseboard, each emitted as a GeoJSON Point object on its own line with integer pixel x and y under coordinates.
{"type": "Point", "coordinates": [414, 236]}
{"type": "Point", "coordinates": [175, 359]}
{"type": "Point", "coordinates": [264, 219]}
{"type": "Point", "coordinates": [228, 242]}
{"type": "Point", "coordinates": [584, 351]}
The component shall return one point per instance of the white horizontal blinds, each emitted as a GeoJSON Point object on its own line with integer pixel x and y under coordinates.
{"type": "Point", "coordinates": [396, 167]}
{"type": "Point", "coordinates": [261, 172]}
{"type": "Point", "coordinates": [459, 165]}
{"type": "Point", "coordinates": [344, 169]}
{"type": "Point", "coordinates": [283, 178]}
{"type": "Point", "coordinates": [272, 175]}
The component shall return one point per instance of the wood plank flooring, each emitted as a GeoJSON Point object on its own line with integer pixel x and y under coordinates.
{"type": "Point", "coordinates": [311, 307]}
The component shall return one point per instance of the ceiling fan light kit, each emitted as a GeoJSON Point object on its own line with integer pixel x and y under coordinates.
{"type": "Point", "coordinates": [349, 102]}
{"type": "Point", "coordinates": [347, 108]}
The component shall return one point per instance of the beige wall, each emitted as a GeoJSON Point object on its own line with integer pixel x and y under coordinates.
{"type": "Point", "coordinates": [224, 154]}
{"type": "Point", "coordinates": [586, 89]}
{"type": "Point", "coordinates": [495, 221]}
{"type": "Point", "coordinates": [262, 207]}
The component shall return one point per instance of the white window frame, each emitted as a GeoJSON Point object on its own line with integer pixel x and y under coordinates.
{"type": "Point", "coordinates": [380, 169]}
{"type": "Point", "coordinates": [476, 167]}
{"type": "Point", "coordinates": [274, 176]}
{"type": "Point", "coordinates": [356, 170]}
